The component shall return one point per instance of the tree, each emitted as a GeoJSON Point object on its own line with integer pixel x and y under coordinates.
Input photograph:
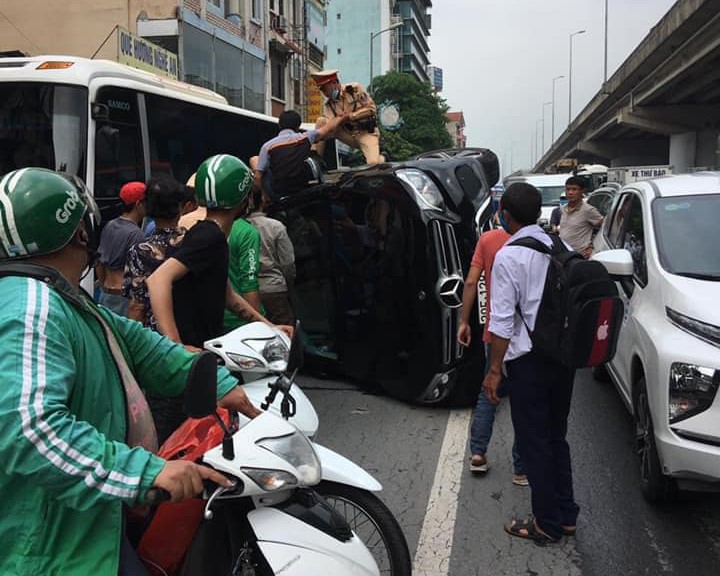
{"type": "Point", "coordinates": [423, 115]}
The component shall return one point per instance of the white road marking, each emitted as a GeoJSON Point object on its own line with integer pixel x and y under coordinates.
{"type": "Point", "coordinates": [432, 557]}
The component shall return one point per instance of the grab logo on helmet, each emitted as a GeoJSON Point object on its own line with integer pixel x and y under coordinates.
{"type": "Point", "coordinates": [62, 215]}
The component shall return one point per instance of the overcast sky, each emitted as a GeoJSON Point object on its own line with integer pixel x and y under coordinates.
{"type": "Point", "coordinates": [499, 58]}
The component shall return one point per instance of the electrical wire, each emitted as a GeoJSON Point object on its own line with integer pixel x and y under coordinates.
{"type": "Point", "coordinates": [20, 31]}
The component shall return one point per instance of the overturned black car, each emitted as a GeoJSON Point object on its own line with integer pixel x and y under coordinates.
{"type": "Point", "coordinates": [381, 254]}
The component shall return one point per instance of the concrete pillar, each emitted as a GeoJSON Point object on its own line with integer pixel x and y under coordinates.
{"type": "Point", "coordinates": [683, 148]}
{"type": "Point", "coordinates": [707, 149]}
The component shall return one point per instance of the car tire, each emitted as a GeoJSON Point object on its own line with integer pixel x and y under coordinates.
{"type": "Point", "coordinates": [656, 486]}
{"type": "Point", "coordinates": [600, 373]}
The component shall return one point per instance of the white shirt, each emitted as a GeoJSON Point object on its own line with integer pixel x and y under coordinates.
{"type": "Point", "coordinates": [518, 277]}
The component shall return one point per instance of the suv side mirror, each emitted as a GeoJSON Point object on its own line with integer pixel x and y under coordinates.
{"type": "Point", "coordinates": [201, 388]}
{"type": "Point", "coordinates": [618, 263]}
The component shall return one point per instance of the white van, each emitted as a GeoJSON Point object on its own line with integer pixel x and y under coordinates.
{"type": "Point", "coordinates": [551, 186]}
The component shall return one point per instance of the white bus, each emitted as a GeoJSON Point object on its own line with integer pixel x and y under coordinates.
{"type": "Point", "coordinates": [110, 124]}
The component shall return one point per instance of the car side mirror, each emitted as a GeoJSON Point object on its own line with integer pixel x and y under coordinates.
{"type": "Point", "coordinates": [201, 388]}
{"type": "Point", "coordinates": [618, 263]}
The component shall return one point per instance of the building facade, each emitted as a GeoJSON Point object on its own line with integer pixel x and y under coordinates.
{"type": "Point", "coordinates": [455, 124]}
{"type": "Point", "coordinates": [253, 52]}
{"type": "Point", "coordinates": [414, 50]}
{"type": "Point", "coordinates": [358, 30]}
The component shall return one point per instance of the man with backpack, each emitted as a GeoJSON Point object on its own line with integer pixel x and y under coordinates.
{"type": "Point", "coordinates": [552, 311]}
{"type": "Point", "coordinates": [540, 388]}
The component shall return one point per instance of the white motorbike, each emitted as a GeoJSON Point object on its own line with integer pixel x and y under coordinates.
{"type": "Point", "coordinates": [258, 355]}
{"type": "Point", "coordinates": [296, 508]}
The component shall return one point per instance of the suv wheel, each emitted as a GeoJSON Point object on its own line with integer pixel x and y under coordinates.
{"type": "Point", "coordinates": [656, 486]}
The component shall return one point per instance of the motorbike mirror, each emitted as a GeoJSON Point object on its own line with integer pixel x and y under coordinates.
{"type": "Point", "coordinates": [295, 360]}
{"type": "Point", "coordinates": [201, 388]}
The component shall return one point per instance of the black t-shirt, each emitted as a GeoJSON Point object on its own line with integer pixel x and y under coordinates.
{"type": "Point", "coordinates": [199, 296]}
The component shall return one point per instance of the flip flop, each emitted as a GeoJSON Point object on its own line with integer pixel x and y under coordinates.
{"type": "Point", "coordinates": [528, 530]}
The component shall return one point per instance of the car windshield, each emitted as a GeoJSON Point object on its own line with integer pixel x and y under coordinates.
{"type": "Point", "coordinates": [551, 194]}
{"type": "Point", "coordinates": [686, 231]}
{"type": "Point", "coordinates": [42, 125]}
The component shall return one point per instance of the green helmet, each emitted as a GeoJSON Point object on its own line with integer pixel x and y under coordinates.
{"type": "Point", "coordinates": [222, 181]}
{"type": "Point", "coordinates": [40, 210]}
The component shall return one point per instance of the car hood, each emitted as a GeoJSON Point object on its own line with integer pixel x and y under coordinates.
{"type": "Point", "coordinates": [697, 299]}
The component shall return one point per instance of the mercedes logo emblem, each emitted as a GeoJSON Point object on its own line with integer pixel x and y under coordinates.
{"type": "Point", "coordinates": [449, 291]}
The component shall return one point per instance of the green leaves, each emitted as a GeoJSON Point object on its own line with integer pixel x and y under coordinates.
{"type": "Point", "coordinates": [422, 111]}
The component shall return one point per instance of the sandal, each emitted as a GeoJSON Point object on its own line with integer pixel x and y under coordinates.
{"type": "Point", "coordinates": [568, 530]}
{"type": "Point", "coordinates": [528, 530]}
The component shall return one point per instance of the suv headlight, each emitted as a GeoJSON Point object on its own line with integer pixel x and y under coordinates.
{"type": "Point", "coordinates": [298, 451]}
{"type": "Point", "coordinates": [692, 390]}
{"type": "Point", "coordinates": [697, 328]}
{"type": "Point", "coordinates": [426, 193]}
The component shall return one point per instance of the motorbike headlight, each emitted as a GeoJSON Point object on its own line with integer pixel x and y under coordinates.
{"type": "Point", "coordinates": [298, 451]}
{"type": "Point", "coordinates": [273, 350]}
{"type": "Point", "coordinates": [692, 390]}
{"type": "Point", "coordinates": [270, 480]}
{"type": "Point", "coordinates": [245, 362]}
{"type": "Point", "coordinates": [426, 193]}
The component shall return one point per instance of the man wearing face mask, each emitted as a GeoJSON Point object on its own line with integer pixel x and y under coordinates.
{"type": "Point", "coordinates": [359, 130]}
{"type": "Point", "coordinates": [79, 441]}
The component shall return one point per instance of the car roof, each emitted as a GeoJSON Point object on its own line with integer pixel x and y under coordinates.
{"type": "Point", "coordinates": [539, 179]}
{"type": "Point", "coordinates": [684, 184]}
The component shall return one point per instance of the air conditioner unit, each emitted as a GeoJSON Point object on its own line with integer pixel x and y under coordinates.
{"type": "Point", "coordinates": [280, 23]}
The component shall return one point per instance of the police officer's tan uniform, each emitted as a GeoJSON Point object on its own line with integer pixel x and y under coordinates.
{"type": "Point", "coordinates": [359, 130]}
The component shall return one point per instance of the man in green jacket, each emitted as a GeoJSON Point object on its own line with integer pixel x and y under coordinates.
{"type": "Point", "coordinates": [77, 440]}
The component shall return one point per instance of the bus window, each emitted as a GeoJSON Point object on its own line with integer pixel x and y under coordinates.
{"type": "Point", "coordinates": [42, 125]}
{"type": "Point", "coordinates": [118, 147]}
{"type": "Point", "coordinates": [179, 136]}
{"type": "Point", "coordinates": [241, 136]}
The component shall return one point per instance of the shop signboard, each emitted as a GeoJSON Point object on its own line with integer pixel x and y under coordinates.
{"type": "Point", "coordinates": [139, 53]}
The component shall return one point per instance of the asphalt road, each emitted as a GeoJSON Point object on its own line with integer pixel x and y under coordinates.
{"type": "Point", "coordinates": [618, 532]}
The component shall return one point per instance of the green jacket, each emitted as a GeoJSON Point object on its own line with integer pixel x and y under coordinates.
{"type": "Point", "coordinates": [66, 472]}
{"type": "Point", "coordinates": [244, 268]}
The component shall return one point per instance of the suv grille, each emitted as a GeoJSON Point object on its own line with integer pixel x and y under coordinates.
{"type": "Point", "coordinates": [449, 286]}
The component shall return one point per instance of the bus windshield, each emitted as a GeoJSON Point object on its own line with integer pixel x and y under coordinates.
{"type": "Point", "coordinates": [43, 125]}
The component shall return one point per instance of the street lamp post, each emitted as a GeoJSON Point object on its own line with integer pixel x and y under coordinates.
{"type": "Point", "coordinates": [543, 126]}
{"type": "Point", "coordinates": [540, 122]}
{"type": "Point", "coordinates": [373, 35]}
{"type": "Point", "coordinates": [606, 41]}
{"type": "Point", "coordinates": [553, 108]}
{"type": "Point", "coordinates": [570, 75]}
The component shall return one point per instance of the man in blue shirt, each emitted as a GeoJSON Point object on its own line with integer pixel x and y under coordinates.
{"type": "Point", "coordinates": [281, 168]}
{"type": "Point", "coordinates": [540, 390]}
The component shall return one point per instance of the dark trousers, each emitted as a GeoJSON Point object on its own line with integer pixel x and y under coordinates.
{"type": "Point", "coordinates": [540, 393]}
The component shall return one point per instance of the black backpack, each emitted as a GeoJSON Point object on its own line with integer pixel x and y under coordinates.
{"type": "Point", "coordinates": [580, 312]}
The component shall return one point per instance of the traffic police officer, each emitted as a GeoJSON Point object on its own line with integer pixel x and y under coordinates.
{"type": "Point", "coordinates": [360, 129]}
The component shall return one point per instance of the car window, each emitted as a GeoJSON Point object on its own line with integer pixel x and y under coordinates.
{"type": "Point", "coordinates": [618, 220]}
{"type": "Point", "coordinates": [633, 239]}
{"type": "Point", "coordinates": [685, 232]}
{"type": "Point", "coordinates": [600, 200]}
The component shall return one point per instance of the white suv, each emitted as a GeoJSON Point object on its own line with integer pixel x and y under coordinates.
{"type": "Point", "coordinates": [667, 365]}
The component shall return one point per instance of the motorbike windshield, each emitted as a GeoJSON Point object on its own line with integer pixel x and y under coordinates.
{"type": "Point", "coordinates": [43, 125]}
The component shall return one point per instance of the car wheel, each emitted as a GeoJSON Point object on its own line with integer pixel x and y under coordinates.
{"type": "Point", "coordinates": [656, 486]}
{"type": "Point", "coordinates": [600, 373]}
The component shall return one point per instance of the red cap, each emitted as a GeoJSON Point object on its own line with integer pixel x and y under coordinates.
{"type": "Point", "coordinates": [132, 192]}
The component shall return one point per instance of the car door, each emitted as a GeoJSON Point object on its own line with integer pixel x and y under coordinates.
{"type": "Point", "coordinates": [627, 231]}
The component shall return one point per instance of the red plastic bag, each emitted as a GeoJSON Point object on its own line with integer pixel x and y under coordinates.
{"type": "Point", "coordinates": [172, 529]}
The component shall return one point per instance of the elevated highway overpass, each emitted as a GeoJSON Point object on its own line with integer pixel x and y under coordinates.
{"type": "Point", "coordinates": [662, 106]}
